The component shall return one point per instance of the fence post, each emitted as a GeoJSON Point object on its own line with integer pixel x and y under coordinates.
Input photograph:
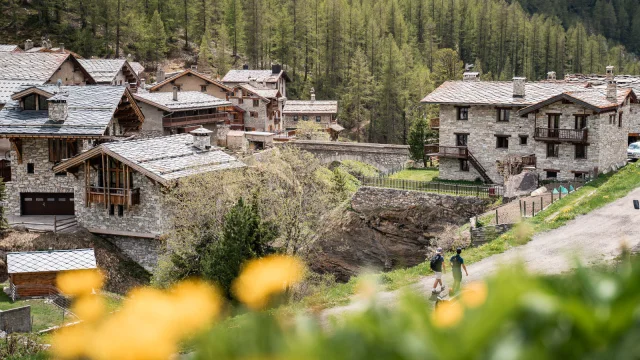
{"type": "Point", "coordinates": [497, 222]}
{"type": "Point", "coordinates": [533, 208]}
{"type": "Point", "coordinates": [541, 203]}
{"type": "Point", "coordinates": [55, 224]}
{"type": "Point", "coordinates": [560, 195]}
{"type": "Point", "coordinates": [525, 208]}
{"type": "Point", "coordinates": [520, 207]}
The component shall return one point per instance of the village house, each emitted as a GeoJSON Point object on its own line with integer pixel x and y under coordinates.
{"type": "Point", "coordinates": [130, 202]}
{"type": "Point", "coordinates": [560, 130]}
{"type": "Point", "coordinates": [10, 48]}
{"type": "Point", "coordinates": [262, 106]}
{"type": "Point", "coordinates": [275, 78]}
{"type": "Point", "coordinates": [168, 113]}
{"type": "Point", "coordinates": [111, 72]}
{"type": "Point", "coordinates": [191, 80]}
{"type": "Point", "coordinates": [46, 124]}
{"type": "Point", "coordinates": [323, 112]}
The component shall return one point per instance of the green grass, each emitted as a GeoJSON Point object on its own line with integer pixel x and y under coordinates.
{"type": "Point", "coordinates": [44, 315]}
{"type": "Point", "coordinates": [416, 174]}
{"type": "Point", "coordinates": [595, 194]}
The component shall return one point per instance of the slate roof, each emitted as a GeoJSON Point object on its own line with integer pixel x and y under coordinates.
{"type": "Point", "coordinates": [242, 76]}
{"type": "Point", "coordinates": [175, 76]}
{"type": "Point", "coordinates": [9, 87]}
{"type": "Point", "coordinates": [47, 261]}
{"type": "Point", "coordinates": [8, 48]}
{"type": "Point", "coordinates": [137, 67]}
{"type": "Point", "coordinates": [187, 100]}
{"type": "Point", "coordinates": [262, 91]}
{"type": "Point", "coordinates": [29, 66]}
{"type": "Point", "coordinates": [102, 70]}
{"type": "Point", "coordinates": [595, 99]}
{"type": "Point", "coordinates": [90, 109]}
{"type": "Point", "coordinates": [599, 81]}
{"type": "Point", "coordinates": [310, 107]}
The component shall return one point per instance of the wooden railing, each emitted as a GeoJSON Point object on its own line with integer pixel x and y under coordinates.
{"type": "Point", "coordinates": [529, 161]}
{"type": "Point", "coordinates": [458, 152]}
{"type": "Point", "coordinates": [194, 119]}
{"type": "Point", "coordinates": [434, 123]}
{"type": "Point", "coordinates": [573, 135]}
{"type": "Point", "coordinates": [117, 196]}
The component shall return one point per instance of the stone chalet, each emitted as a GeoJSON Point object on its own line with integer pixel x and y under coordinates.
{"type": "Point", "coordinates": [178, 112]}
{"type": "Point", "coordinates": [323, 112]}
{"type": "Point", "coordinates": [131, 203]}
{"type": "Point", "coordinates": [275, 78]}
{"type": "Point", "coordinates": [46, 124]}
{"type": "Point", "coordinates": [191, 80]}
{"type": "Point", "coordinates": [560, 130]}
{"type": "Point", "coordinates": [262, 106]}
{"type": "Point", "coordinates": [111, 72]}
{"type": "Point", "coordinates": [10, 48]}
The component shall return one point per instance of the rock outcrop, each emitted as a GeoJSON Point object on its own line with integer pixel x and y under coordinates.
{"type": "Point", "coordinates": [388, 228]}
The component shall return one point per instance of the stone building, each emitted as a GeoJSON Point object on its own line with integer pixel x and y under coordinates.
{"type": "Point", "coordinates": [560, 130]}
{"type": "Point", "coordinates": [191, 80]}
{"type": "Point", "coordinates": [168, 113]}
{"type": "Point", "coordinates": [275, 78]}
{"type": "Point", "coordinates": [131, 202]}
{"type": "Point", "coordinates": [111, 72]}
{"type": "Point", "coordinates": [262, 106]}
{"type": "Point", "coordinates": [323, 112]}
{"type": "Point", "coordinates": [46, 124]}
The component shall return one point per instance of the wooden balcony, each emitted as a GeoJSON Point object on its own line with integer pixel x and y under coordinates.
{"type": "Point", "coordinates": [117, 196]}
{"type": "Point", "coordinates": [568, 135]}
{"type": "Point", "coordinates": [434, 123]}
{"type": "Point", "coordinates": [455, 152]}
{"type": "Point", "coordinates": [195, 119]}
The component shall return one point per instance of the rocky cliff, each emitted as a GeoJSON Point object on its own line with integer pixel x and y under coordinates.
{"type": "Point", "coordinates": [388, 228]}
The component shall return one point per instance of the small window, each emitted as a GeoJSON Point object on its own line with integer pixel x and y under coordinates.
{"type": "Point", "coordinates": [503, 114]}
{"type": "Point", "coordinates": [30, 168]}
{"type": "Point", "coordinates": [552, 150]}
{"type": "Point", "coordinates": [62, 199]}
{"type": "Point", "coordinates": [30, 102]}
{"type": "Point", "coordinates": [28, 199]}
{"type": "Point", "coordinates": [253, 114]}
{"type": "Point", "coordinates": [462, 139]}
{"type": "Point", "coordinates": [61, 174]}
{"type": "Point", "coordinates": [620, 119]}
{"type": "Point", "coordinates": [120, 210]}
{"type": "Point", "coordinates": [462, 113]}
{"type": "Point", "coordinates": [612, 119]}
{"type": "Point", "coordinates": [581, 151]}
{"type": "Point", "coordinates": [295, 117]}
{"type": "Point", "coordinates": [203, 88]}
{"type": "Point", "coordinates": [524, 139]}
{"type": "Point", "coordinates": [240, 100]}
{"type": "Point", "coordinates": [51, 199]}
{"type": "Point", "coordinates": [318, 119]}
{"type": "Point", "coordinates": [580, 176]}
{"type": "Point", "coordinates": [580, 122]}
{"type": "Point", "coordinates": [464, 165]}
{"type": "Point", "coordinates": [305, 117]}
{"type": "Point", "coordinates": [552, 174]}
{"type": "Point", "coordinates": [502, 142]}
{"type": "Point", "coordinates": [112, 209]}
{"type": "Point", "coordinates": [256, 102]}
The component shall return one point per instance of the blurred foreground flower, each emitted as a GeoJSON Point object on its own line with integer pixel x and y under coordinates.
{"type": "Point", "coordinates": [474, 294]}
{"type": "Point", "coordinates": [81, 282]}
{"type": "Point", "coordinates": [447, 314]}
{"type": "Point", "coordinates": [262, 278]}
{"type": "Point", "coordinates": [89, 307]}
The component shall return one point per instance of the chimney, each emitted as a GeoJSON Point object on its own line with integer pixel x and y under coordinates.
{"type": "Point", "coordinates": [202, 138]}
{"type": "Point", "coordinates": [313, 94]}
{"type": "Point", "coordinates": [612, 87]}
{"type": "Point", "coordinates": [518, 87]}
{"type": "Point", "coordinates": [160, 76]}
{"type": "Point", "coordinates": [194, 67]}
{"type": "Point", "coordinates": [253, 82]}
{"type": "Point", "coordinates": [28, 44]}
{"type": "Point", "coordinates": [471, 76]}
{"type": "Point", "coordinates": [58, 109]}
{"type": "Point", "coordinates": [551, 75]}
{"type": "Point", "coordinates": [276, 68]}
{"type": "Point", "coordinates": [245, 67]}
{"type": "Point", "coordinates": [142, 83]}
{"type": "Point", "coordinates": [62, 47]}
{"type": "Point", "coordinates": [175, 93]}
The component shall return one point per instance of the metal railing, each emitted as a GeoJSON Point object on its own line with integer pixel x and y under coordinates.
{"type": "Point", "coordinates": [577, 135]}
{"type": "Point", "coordinates": [481, 191]}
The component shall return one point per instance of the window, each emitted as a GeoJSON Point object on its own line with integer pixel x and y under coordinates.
{"type": "Point", "coordinates": [253, 114]}
{"type": "Point", "coordinates": [552, 174]}
{"type": "Point", "coordinates": [503, 114]}
{"type": "Point", "coordinates": [30, 168]}
{"type": "Point", "coordinates": [318, 119]}
{"type": "Point", "coordinates": [461, 139]}
{"type": "Point", "coordinates": [580, 122]}
{"type": "Point", "coordinates": [203, 88]}
{"type": "Point", "coordinates": [295, 117]}
{"type": "Point", "coordinates": [612, 119]}
{"type": "Point", "coordinates": [553, 121]}
{"type": "Point", "coordinates": [305, 117]}
{"type": "Point", "coordinates": [502, 142]}
{"type": "Point", "coordinates": [620, 119]}
{"type": "Point", "coordinates": [464, 165]}
{"type": "Point", "coordinates": [581, 151]}
{"type": "Point", "coordinates": [112, 209]}
{"type": "Point", "coordinates": [43, 104]}
{"type": "Point", "coordinates": [552, 150]}
{"type": "Point", "coordinates": [240, 100]}
{"type": "Point", "coordinates": [120, 210]}
{"type": "Point", "coordinates": [62, 149]}
{"type": "Point", "coordinates": [256, 102]}
{"type": "Point", "coordinates": [580, 175]}
{"type": "Point", "coordinates": [524, 139]}
{"type": "Point", "coordinates": [30, 102]}
{"type": "Point", "coordinates": [462, 113]}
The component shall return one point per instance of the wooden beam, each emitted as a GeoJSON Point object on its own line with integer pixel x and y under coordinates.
{"type": "Point", "coordinates": [16, 145]}
{"type": "Point", "coordinates": [123, 233]}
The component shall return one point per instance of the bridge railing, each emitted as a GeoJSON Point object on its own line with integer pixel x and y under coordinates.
{"type": "Point", "coordinates": [481, 191]}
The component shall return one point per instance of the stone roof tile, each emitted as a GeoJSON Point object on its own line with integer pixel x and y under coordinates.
{"type": "Point", "coordinates": [28, 66]}
{"type": "Point", "coordinates": [186, 100]}
{"type": "Point", "coordinates": [47, 261]}
{"type": "Point", "coordinates": [310, 107]}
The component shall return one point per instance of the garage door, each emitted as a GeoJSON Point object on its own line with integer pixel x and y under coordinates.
{"type": "Point", "coordinates": [46, 203]}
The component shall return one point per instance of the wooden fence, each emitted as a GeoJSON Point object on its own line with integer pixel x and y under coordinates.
{"type": "Point", "coordinates": [482, 191]}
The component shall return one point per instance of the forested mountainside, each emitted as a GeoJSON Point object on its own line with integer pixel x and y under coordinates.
{"type": "Point", "coordinates": [377, 57]}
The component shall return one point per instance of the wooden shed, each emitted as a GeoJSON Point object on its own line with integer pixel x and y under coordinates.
{"type": "Point", "coordinates": [33, 273]}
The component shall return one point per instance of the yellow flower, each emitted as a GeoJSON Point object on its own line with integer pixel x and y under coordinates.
{"type": "Point", "coordinates": [566, 209]}
{"type": "Point", "coordinates": [89, 307]}
{"type": "Point", "coordinates": [265, 277]}
{"type": "Point", "coordinates": [70, 342]}
{"type": "Point", "coordinates": [447, 314]}
{"type": "Point", "coordinates": [474, 294]}
{"type": "Point", "coordinates": [198, 295]}
{"type": "Point", "coordinates": [79, 282]}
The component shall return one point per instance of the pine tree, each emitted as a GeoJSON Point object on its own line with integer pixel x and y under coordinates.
{"type": "Point", "coordinates": [358, 93]}
{"type": "Point", "coordinates": [221, 59]}
{"type": "Point", "coordinates": [157, 38]}
{"type": "Point", "coordinates": [3, 197]}
{"type": "Point", "coordinates": [205, 58]}
{"type": "Point", "coordinates": [418, 135]}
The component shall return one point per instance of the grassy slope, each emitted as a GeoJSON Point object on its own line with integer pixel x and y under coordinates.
{"type": "Point", "coordinates": [416, 174]}
{"type": "Point", "coordinates": [594, 195]}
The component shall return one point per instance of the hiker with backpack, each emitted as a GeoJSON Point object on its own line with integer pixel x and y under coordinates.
{"type": "Point", "coordinates": [437, 265]}
{"type": "Point", "coordinates": [457, 264]}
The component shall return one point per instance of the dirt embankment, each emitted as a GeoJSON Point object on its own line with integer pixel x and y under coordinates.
{"type": "Point", "coordinates": [121, 273]}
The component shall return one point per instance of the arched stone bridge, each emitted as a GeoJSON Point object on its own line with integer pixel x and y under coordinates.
{"type": "Point", "coordinates": [383, 156]}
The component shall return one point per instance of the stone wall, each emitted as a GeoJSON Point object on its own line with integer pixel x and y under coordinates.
{"type": "Point", "coordinates": [383, 156]}
{"type": "Point", "coordinates": [152, 118]}
{"type": "Point", "coordinates": [142, 251]}
{"type": "Point", "coordinates": [193, 83]}
{"type": "Point", "coordinates": [481, 235]}
{"type": "Point", "coordinates": [16, 320]}
{"type": "Point", "coordinates": [261, 122]}
{"type": "Point", "coordinates": [68, 73]}
{"type": "Point", "coordinates": [325, 120]}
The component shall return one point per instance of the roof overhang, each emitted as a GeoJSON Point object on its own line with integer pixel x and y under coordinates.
{"type": "Point", "coordinates": [31, 90]}
{"type": "Point", "coordinates": [191, 72]}
{"type": "Point", "coordinates": [168, 109]}
{"type": "Point", "coordinates": [567, 97]}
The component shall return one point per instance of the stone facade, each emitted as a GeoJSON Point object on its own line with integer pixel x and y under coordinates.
{"type": "Point", "coordinates": [261, 117]}
{"type": "Point", "coordinates": [16, 320]}
{"type": "Point", "coordinates": [383, 156]}
{"type": "Point", "coordinates": [143, 251]}
{"type": "Point", "coordinates": [69, 75]}
{"type": "Point", "coordinates": [291, 123]}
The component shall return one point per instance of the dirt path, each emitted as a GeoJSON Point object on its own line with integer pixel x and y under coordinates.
{"type": "Point", "coordinates": [589, 239]}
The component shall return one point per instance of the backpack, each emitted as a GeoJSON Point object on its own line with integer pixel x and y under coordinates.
{"type": "Point", "coordinates": [434, 262]}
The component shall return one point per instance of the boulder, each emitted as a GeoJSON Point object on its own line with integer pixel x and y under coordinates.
{"type": "Point", "coordinates": [521, 184]}
{"type": "Point", "coordinates": [541, 191]}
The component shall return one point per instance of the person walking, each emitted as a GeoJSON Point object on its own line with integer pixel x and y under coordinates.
{"type": "Point", "coordinates": [437, 265]}
{"type": "Point", "coordinates": [457, 265]}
